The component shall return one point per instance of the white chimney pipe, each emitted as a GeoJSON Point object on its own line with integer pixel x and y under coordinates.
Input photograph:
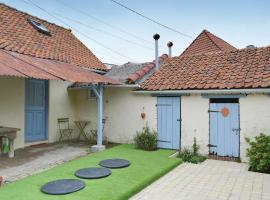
{"type": "Point", "coordinates": [156, 37]}
{"type": "Point", "coordinates": [170, 44]}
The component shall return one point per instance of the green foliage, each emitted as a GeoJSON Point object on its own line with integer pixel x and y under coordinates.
{"type": "Point", "coordinates": [192, 155]}
{"type": "Point", "coordinates": [145, 168]}
{"type": "Point", "coordinates": [186, 154]}
{"type": "Point", "coordinates": [195, 147]}
{"type": "Point", "coordinates": [197, 159]}
{"type": "Point", "coordinates": [146, 139]}
{"type": "Point", "coordinates": [259, 153]}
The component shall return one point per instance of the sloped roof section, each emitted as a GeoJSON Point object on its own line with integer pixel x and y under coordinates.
{"type": "Point", "coordinates": [122, 72]}
{"type": "Point", "coordinates": [18, 35]}
{"type": "Point", "coordinates": [131, 73]}
{"type": "Point", "coordinates": [19, 65]}
{"type": "Point", "coordinates": [246, 68]}
{"type": "Point", "coordinates": [207, 42]}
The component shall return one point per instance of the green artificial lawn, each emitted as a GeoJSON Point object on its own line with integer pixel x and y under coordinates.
{"type": "Point", "coordinates": [145, 168]}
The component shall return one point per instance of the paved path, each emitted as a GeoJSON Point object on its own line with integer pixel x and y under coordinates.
{"type": "Point", "coordinates": [211, 180]}
{"type": "Point", "coordinates": [32, 160]}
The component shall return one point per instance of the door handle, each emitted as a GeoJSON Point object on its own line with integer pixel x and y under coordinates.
{"type": "Point", "coordinates": [178, 120]}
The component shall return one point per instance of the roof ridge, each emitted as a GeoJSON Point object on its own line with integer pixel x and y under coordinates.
{"type": "Point", "coordinates": [208, 33]}
{"type": "Point", "coordinates": [218, 52]}
{"type": "Point", "coordinates": [26, 13]}
{"type": "Point", "coordinates": [207, 41]}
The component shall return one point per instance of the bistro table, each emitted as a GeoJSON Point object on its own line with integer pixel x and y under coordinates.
{"type": "Point", "coordinates": [81, 124]}
{"type": "Point", "coordinates": [11, 134]}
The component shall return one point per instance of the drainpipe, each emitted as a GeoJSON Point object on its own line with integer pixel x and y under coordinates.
{"type": "Point", "coordinates": [156, 37]}
{"type": "Point", "coordinates": [170, 44]}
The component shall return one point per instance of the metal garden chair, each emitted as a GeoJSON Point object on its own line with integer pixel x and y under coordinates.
{"type": "Point", "coordinates": [64, 129]}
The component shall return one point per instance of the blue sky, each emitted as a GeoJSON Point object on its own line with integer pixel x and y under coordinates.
{"type": "Point", "coordinates": [239, 22]}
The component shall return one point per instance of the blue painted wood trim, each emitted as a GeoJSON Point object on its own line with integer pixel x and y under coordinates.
{"type": "Point", "coordinates": [46, 116]}
{"type": "Point", "coordinates": [46, 109]}
{"type": "Point", "coordinates": [209, 96]}
{"type": "Point", "coordinates": [98, 90]}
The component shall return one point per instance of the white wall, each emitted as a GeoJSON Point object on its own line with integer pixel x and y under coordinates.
{"type": "Point", "coordinates": [195, 121]}
{"type": "Point", "coordinates": [61, 104]}
{"type": "Point", "coordinates": [254, 119]}
{"type": "Point", "coordinates": [123, 109]}
{"type": "Point", "coordinates": [12, 106]}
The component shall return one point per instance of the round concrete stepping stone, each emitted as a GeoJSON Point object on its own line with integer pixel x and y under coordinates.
{"type": "Point", "coordinates": [114, 163]}
{"type": "Point", "coordinates": [63, 186]}
{"type": "Point", "coordinates": [93, 173]}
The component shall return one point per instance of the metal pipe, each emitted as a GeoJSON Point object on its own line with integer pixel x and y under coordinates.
{"type": "Point", "coordinates": [100, 115]}
{"type": "Point", "coordinates": [156, 37]}
{"type": "Point", "coordinates": [222, 91]}
{"type": "Point", "coordinates": [170, 44]}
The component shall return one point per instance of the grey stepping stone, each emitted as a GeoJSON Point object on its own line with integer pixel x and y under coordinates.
{"type": "Point", "coordinates": [93, 173]}
{"type": "Point", "coordinates": [114, 163]}
{"type": "Point", "coordinates": [63, 186]}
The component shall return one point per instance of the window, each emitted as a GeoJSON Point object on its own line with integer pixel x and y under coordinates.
{"type": "Point", "coordinates": [40, 27]}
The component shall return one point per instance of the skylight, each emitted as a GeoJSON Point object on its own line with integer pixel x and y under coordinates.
{"type": "Point", "coordinates": [40, 27]}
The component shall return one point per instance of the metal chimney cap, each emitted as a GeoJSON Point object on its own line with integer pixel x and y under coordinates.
{"type": "Point", "coordinates": [156, 36]}
{"type": "Point", "coordinates": [251, 46]}
{"type": "Point", "coordinates": [169, 44]}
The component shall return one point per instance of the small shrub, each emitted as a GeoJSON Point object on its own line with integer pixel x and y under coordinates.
{"type": "Point", "coordinates": [195, 147]}
{"type": "Point", "coordinates": [259, 153]}
{"type": "Point", "coordinates": [146, 139]}
{"type": "Point", "coordinates": [186, 154]}
{"type": "Point", "coordinates": [197, 159]}
{"type": "Point", "coordinates": [192, 155]}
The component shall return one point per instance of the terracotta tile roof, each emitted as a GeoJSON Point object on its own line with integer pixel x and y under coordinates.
{"type": "Point", "coordinates": [18, 35]}
{"type": "Point", "coordinates": [131, 73]}
{"type": "Point", "coordinates": [19, 65]}
{"type": "Point", "coordinates": [207, 42]}
{"type": "Point", "coordinates": [139, 74]}
{"type": "Point", "coordinates": [246, 68]}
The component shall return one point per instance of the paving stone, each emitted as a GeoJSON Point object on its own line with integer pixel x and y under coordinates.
{"type": "Point", "coordinates": [213, 179]}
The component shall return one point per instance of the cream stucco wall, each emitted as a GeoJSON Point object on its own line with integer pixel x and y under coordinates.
{"type": "Point", "coordinates": [195, 121]}
{"type": "Point", "coordinates": [254, 119]}
{"type": "Point", "coordinates": [61, 104]}
{"type": "Point", "coordinates": [123, 109]}
{"type": "Point", "coordinates": [12, 106]}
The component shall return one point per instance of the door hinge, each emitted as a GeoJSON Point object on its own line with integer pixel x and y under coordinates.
{"type": "Point", "coordinates": [213, 111]}
{"type": "Point", "coordinates": [211, 145]}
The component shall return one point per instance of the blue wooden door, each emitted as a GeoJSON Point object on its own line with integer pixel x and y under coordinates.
{"type": "Point", "coordinates": [168, 122]}
{"type": "Point", "coordinates": [224, 129]}
{"type": "Point", "coordinates": [35, 110]}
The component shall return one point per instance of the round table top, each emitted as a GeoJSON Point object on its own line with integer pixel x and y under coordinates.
{"type": "Point", "coordinates": [114, 163]}
{"type": "Point", "coordinates": [63, 186]}
{"type": "Point", "coordinates": [93, 173]}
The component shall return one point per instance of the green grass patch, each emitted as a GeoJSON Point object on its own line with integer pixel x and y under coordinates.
{"type": "Point", "coordinates": [146, 167]}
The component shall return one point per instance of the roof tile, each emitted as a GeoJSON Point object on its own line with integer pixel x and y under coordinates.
{"type": "Point", "coordinates": [207, 42]}
{"type": "Point", "coordinates": [18, 35]}
{"type": "Point", "coordinates": [216, 70]}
